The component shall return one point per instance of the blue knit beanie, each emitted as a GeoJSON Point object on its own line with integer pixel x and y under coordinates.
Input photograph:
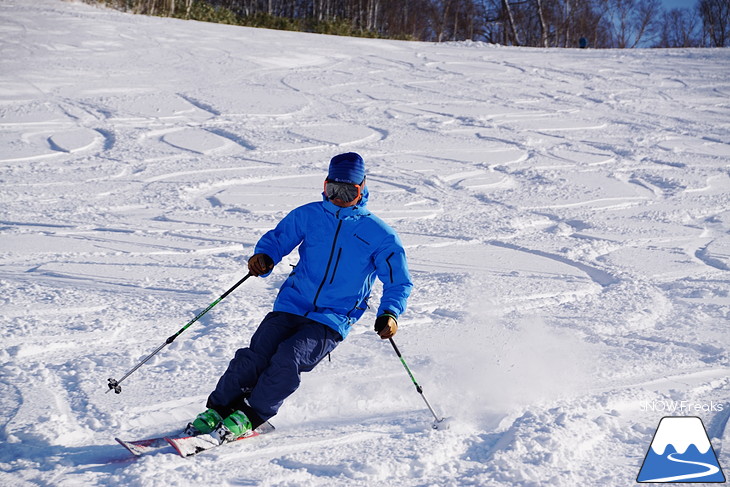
{"type": "Point", "coordinates": [347, 168]}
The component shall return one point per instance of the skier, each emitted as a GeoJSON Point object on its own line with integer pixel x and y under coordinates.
{"type": "Point", "coordinates": [342, 248]}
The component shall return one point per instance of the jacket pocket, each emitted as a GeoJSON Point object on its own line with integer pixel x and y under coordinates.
{"type": "Point", "coordinates": [362, 239]}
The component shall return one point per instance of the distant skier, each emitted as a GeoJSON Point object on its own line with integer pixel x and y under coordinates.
{"type": "Point", "coordinates": [342, 248]}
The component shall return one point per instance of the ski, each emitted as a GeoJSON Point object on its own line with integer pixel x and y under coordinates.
{"type": "Point", "coordinates": [192, 445]}
{"type": "Point", "coordinates": [140, 447]}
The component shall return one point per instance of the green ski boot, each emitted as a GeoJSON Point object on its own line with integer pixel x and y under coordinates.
{"type": "Point", "coordinates": [234, 426]}
{"type": "Point", "coordinates": [205, 422]}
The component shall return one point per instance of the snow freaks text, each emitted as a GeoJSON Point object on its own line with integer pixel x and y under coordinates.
{"type": "Point", "coordinates": [681, 407]}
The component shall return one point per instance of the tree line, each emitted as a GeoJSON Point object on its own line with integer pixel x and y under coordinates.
{"type": "Point", "coordinates": [534, 23]}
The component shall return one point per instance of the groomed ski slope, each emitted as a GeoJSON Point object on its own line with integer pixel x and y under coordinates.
{"type": "Point", "coordinates": [566, 215]}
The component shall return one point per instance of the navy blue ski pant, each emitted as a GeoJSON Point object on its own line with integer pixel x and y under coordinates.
{"type": "Point", "coordinates": [262, 376]}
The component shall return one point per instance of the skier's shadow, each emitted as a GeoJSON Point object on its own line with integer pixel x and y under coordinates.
{"type": "Point", "coordinates": [72, 459]}
{"type": "Point", "coordinates": [97, 458]}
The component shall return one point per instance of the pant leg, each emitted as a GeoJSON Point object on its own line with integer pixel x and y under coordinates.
{"type": "Point", "coordinates": [248, 363]}
{"type": "Point", "coordinates": [299, 353]}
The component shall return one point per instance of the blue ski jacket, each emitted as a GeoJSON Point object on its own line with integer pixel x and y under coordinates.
{"type": "Point", "coordinates": [341, 251]}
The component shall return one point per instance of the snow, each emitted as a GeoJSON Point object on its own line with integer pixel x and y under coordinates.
{"type": "Point", "coordinates": [566, 215]}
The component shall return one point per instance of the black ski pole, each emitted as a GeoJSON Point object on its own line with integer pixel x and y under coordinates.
{"type": "Point", "coordinates": [418, 387]}
{"type": "Point", "coordinates": [114, 384]}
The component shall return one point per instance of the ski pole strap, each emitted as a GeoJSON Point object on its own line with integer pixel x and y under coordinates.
{"type": "Point", "coordinates": [391, 314]}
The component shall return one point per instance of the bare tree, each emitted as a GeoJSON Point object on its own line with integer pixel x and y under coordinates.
{"type": "Point", "coordinates": [632, 20]}
{"type": "Point", "coordinates": [539, 23]}
{"type": "Point", "coordinates": [543, 23]}
{"type": "Point", "coordinates": [716, 21]}
{"type": "Point", "coordinates": [680, 28]}
{"type": "Point", "coordinates": [645, 19]}
{"type": "Point", "coordinates": [511, 22]}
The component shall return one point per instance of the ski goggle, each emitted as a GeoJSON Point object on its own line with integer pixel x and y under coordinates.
{"type": "Point", "coordinates": [346, 192]}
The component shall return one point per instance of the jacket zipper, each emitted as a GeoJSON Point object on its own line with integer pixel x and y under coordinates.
{"type": "Point", "coordinates": [337, 263]}
{"type": "Point", "coordinates": [327, 271]}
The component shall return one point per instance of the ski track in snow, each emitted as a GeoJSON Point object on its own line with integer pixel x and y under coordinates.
{"type": "Point", "coordinates": [566, 215]}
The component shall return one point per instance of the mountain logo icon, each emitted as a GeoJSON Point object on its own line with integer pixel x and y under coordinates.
{"type": "Point", "coordinates": [680, 452]}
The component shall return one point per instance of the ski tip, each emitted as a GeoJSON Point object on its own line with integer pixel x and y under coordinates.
{"type": "Point", "coordinates": [264, 428]}
{"type": "Point", "coordinates": [129, 446]}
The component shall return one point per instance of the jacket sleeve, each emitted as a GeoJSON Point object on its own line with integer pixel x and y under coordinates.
{"type": "Point", "coordinates": [280, 241]}
{"type": "Point", "coordinates": [392, 269]}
